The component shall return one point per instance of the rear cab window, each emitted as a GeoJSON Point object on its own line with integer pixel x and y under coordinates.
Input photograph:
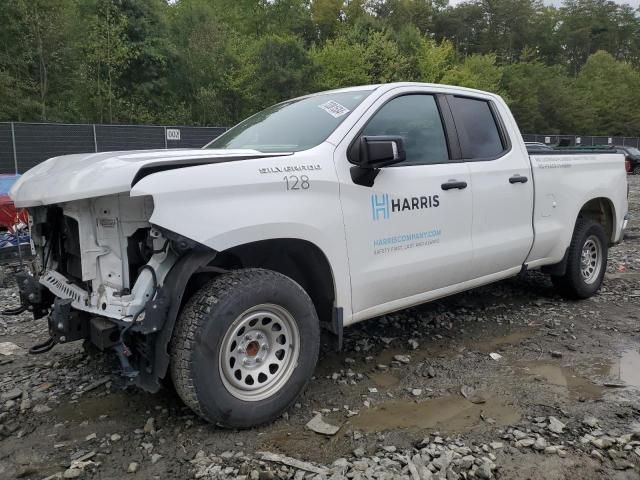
{"type": "Point", "coordinates": [480, 132]}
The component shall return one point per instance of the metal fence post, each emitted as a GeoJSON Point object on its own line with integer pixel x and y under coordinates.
{"type": "Point", "coordinates": [165, 137]}
{"type": "Point", "coordinates": [95, 138]}
{"type": "Point", "coordinates": [13, 142]}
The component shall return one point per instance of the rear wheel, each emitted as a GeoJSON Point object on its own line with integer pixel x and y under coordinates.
{"type": "Point", "coordinates": [586, 262]}
{"type": "Point", "coordinates": [636, 169]}
{"type": "Point", "coordinates": [244, 347]}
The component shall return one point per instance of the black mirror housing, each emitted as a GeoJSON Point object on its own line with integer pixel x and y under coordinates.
{"type": "Point", "coordinates": [375, 152]}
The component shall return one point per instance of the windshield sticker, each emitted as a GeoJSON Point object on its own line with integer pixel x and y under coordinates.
{"type": "Point", "coordinates": [334, 109]}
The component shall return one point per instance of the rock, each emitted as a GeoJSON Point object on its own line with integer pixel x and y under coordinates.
{"type": "Point", "coordinates": [41, 408]}
{"type": "Point", "coordinates": [72, 473]}
{"type": "Point", "coordinates": [443, 461]}
{"type": "Point", "coordinates": [9, 348]}
{"type": "Point", "coordinates": [602, 442]}
{"type": "Point", "coordinates": [555, 425]}
{"type": "Point", "coordinates": [318, 425]}
{"type": "Point", "coordinates": [551, 450]}
{"type": "Point", "coordinates": [292, 462]}
{"type": "Point", "coordinates": [155, 458]}
{"type": "Point", "coordinates": [519, 435]}
{"type": "Point", "coordinates": [484, 471]}
{"type": "Point", "coordinates": [590, 421]}
{"type": "Point", "coordinates": [540, 444]}
{"type": "Point", "coordinates": [431, 372]}
{"type": "Point", "coordinates": [133, 467]}
{"type": "Point", "coordinates": [91, 436]}
{"type": "Point", "coordinates": [496, 445]}
{"type": "Point", "coordinates": [416, 392]}
{"type": "Point", "coordinates": [622, 464]}
{"type": "Point", "coordinates": [413, 344]}
{"type": "Point", "coordinates": [25, 404]}
{"type": "Point", "coordinates": [11, 394]}
{"type": "Point", "coordinates": [597, 454]}
{"type": "Point", "coordinates": [340, 463]}
{"type": "Point", "coordinates": [495, 356]}
{"type": "Point", "coordinates": [525, 442]}
{"type": "Point", "coordinates": [406, 359]}
{"type": "Point", "coordinates": [115, 437]}
{"type": "Point", "coordinates": [359, 452]}
{"type": "Point", "coordinates": [556, 354]}
{"type": "Point", "coordinates": [150, 426]}
{"type": "Point", "coordinates": [467, 461]}
{"type": "Point", "coordinates": [472, 394]}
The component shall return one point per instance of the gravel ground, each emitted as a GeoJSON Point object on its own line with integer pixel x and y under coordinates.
{"type": "Point", "coordinates": [506, 381]}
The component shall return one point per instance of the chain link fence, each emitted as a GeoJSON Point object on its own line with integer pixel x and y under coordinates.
{"type": "Point", "coordinates": [584, 140]}
{"type": "Point", "coordinates": [24, 145]}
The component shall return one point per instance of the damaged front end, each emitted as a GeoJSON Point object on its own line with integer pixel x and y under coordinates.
{"type": "Point", "coordinates": [101, 275]}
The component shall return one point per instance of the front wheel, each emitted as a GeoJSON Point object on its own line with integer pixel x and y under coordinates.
{"type": "Point", "coordinates": [244, 347]}
{"type": "Point", "coordinates": [586, 262]}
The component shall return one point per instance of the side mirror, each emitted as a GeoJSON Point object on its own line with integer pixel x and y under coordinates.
{"type": "Point", "coordinates": [369, 154]}
{"type": "Point", "coordinates": [377, 151]}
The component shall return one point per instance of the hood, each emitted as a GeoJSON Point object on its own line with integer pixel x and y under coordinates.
{"type": "Point", "coordinates": [74, 177]}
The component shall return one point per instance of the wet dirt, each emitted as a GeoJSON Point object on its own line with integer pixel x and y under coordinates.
{"type": "Point", "coordinates": [627, 368]}
{"type": "Point", "coordinates": [450, 414]}
{"type": "Point", "coordinates": [569, 382]}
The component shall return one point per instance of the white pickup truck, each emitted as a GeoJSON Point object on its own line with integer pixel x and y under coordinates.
{"type": "Point", "coordinates": [218, 267]}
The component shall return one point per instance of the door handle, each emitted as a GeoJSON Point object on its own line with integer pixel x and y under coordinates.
{"type": "Point", "coordinates": [518, 179]}
{"type": "Point", "coordinates": [454, 184]}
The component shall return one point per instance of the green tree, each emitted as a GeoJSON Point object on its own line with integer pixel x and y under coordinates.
{"type": "Point", "coordinates": [340, 64]}
{"type": "Point", "coordinates": [385, 62]}
{"type": "Point", "coordinates": [607, 90]}
{"type": "Point", "coordinates": [434, 60]}
{"type": "Point", "coordinates": [476, 71]}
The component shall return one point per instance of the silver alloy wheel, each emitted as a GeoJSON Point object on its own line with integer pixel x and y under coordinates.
{"type": "Point", "coordinates": [259, 352]}
{"type": "Point", "coordinates": [591, 259]}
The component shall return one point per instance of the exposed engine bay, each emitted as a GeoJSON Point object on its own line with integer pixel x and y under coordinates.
{"type": "Point", "coordinates": [98, 276]}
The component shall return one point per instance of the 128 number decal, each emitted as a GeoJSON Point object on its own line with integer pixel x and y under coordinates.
{"type": "Point", "coordinates": [293, 182]}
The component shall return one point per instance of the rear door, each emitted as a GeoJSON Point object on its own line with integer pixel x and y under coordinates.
{"type": "Point", "coordinates": [409, 233]}
{"type": "Point", "coordinates": [502, 230]}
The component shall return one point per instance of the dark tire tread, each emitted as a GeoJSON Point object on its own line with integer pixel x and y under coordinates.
{"type": "Point", "coordinates": [571, 285]}
{"type": "Point", "coordinates": [192, 320]}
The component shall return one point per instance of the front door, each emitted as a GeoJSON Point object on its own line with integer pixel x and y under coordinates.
{"type": "Point", "coordinates": [409, 233]}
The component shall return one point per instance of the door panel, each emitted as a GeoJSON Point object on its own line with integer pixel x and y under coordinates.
{"type": "Point", "coordinates": [502, 230]}
{"type": "Point", "coordinates": [397, 250]}
{"type": "Point", "coordinates": [406, 235]}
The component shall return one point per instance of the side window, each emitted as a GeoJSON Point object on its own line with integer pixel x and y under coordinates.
{"type": "Point", "coordinates": [477, 128]}
{"type": "Point", "coordinates": [417, 120]}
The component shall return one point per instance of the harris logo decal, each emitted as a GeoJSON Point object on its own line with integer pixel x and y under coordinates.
{"type": "Point", "coordinates": [383, 205]}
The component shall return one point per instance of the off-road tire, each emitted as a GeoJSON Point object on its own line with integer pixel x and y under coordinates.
{"type": "Point", "coordinates": [200, 331]}
{"type": "Point", "coordinates": [572, 284]}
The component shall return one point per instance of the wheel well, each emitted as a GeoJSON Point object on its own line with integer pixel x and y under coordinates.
{"type": "Point", "coordinates": [600, 210]}
{"type": "Point", "coordinates": [300, 260]}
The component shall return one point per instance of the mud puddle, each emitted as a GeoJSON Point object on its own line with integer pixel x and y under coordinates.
{"type": "Point", "coordinates": [492, 344]}
{"type": "Point", "coordinates": [570, 383]}
{"type": "Point", "coordinates": [627, 369]}
{"type": "Point", "coordinates": [92, 408]}
{"type": "Point", "coordinates": [451, 414]}
{"type": "Point", "coordinates": [384, 379]}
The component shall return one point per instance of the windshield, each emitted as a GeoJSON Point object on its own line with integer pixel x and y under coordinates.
{"type": "Point", "coordinates": [293, 125]}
